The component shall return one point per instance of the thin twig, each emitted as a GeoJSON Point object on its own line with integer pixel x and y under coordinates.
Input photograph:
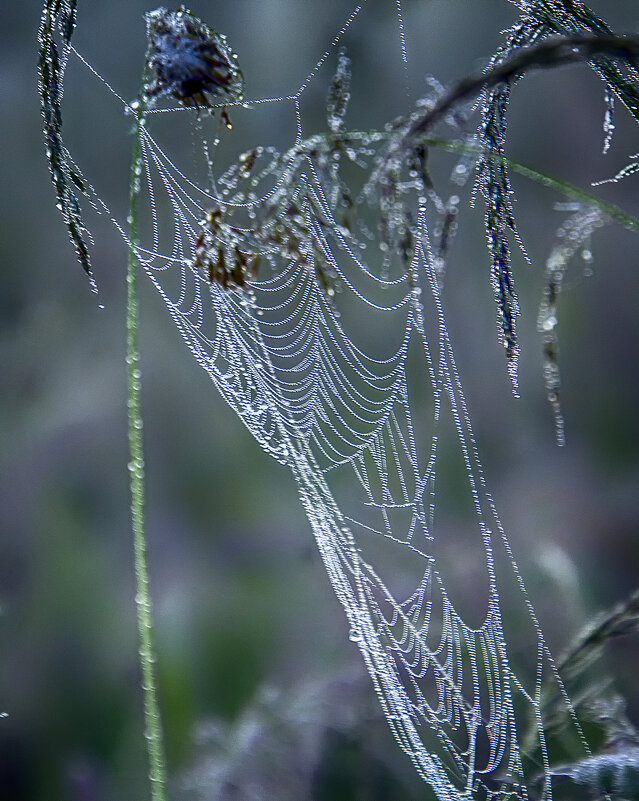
{"type": "Point", "coordinates": [550, 53]}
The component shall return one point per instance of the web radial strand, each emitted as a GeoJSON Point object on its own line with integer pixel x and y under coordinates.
{"type": "Point", "coordinates": [317, 312]}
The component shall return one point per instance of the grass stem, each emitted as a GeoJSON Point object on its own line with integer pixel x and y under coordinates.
{"type": "Point", "coordinates": [152, 721]}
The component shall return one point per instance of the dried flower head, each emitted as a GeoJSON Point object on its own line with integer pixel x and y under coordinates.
{"type": "Point", "coordinates": [218, 256]}
{"type": "Point", "coordinates": [189, 60]}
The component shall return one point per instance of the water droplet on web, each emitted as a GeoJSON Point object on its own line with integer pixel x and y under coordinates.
{"type": "Point", "coordinates": [355, 635]}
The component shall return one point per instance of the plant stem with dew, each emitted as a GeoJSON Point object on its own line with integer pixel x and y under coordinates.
{"type": "Point", "coordinates": [152, 721]}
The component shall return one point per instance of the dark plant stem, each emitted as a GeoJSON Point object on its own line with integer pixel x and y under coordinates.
{"type": "Point", "coordinates": [551, 53]}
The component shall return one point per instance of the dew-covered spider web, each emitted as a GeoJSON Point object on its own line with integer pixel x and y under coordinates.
{"type": "Point", "coordinates": [307, 282]}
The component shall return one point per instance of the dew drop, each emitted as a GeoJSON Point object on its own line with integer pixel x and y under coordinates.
{"type": "Point", "coordinates": [355, 635]}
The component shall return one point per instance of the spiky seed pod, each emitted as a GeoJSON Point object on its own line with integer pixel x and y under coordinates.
{"type": "Point", "coordinates": [189, 60]}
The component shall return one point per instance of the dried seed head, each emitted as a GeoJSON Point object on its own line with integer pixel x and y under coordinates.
{"type": "Point", "coordinates": [189, 60]}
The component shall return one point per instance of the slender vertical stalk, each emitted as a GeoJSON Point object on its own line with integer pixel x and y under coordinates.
{"type": "Point", "coordinates": [152, 720]}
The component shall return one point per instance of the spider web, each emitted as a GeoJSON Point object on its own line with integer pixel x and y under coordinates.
{"type": "Point", "coordinates": [311, 293]}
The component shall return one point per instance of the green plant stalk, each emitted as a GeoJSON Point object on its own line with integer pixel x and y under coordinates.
{"type": "Point", "coordinates": [152, 721]}
{"type": "Point", "coordinates": [565, 188]}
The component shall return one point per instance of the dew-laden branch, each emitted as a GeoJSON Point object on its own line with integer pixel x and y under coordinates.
{"type": "Point", "coordinates": [546, 55]}
{"type": "Point", "coordinates": [604, 51]}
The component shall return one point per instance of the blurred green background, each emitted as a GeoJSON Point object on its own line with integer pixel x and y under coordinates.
{"type": "Point", "coordinates": [257, 675]}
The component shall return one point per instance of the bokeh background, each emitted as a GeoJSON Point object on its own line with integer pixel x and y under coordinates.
{"type": "Point", "coordinates": [259, 683]}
